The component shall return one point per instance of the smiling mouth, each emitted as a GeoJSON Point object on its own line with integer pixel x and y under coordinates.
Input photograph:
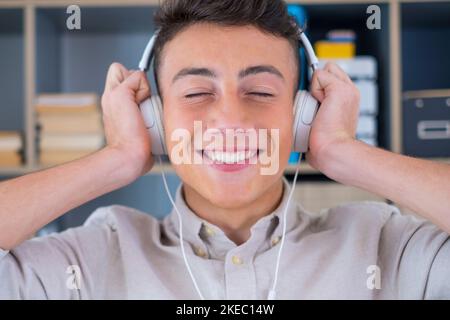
{"type": "Point", "coordinates": [229, 157]}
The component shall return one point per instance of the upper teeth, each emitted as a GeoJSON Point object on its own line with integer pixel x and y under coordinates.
{"type": "Point", "coordinates": [230, 157]}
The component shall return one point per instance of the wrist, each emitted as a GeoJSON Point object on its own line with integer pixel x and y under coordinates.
{"type": "Point", "coordinates": [125, 166]}
{"type": "Point", "coordinates": [340, 159]}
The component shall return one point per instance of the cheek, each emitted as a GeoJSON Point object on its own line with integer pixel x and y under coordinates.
{"type": "Point", "coordinates": [282, 121]}
{"type": "Point", "coordinates": [176, 122]}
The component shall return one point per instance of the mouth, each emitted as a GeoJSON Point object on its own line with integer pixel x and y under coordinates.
{"type": "Point", "coordinates": [228, 161]}
{"type": "Point", "coordinates": [230, 157]}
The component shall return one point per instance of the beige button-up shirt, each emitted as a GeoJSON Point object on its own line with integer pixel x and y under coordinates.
{"type": "Point", "coordinates": [356, 251]}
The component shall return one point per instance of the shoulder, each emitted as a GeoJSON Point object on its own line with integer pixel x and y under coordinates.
{"type": "Point", "coordinates": [117, 217]}
{"type": "Point", "coordinates": [380, 222]}
{"type": "Point", "coordinates": [96, 249]}
{"type": "Point", "coordinates": [358, 215]}
{"type": "Point", "coordinates": [371, 220]}
{"type": "Point", "coordinates": [100, 235]}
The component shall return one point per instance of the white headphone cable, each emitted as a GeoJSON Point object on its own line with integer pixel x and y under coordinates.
{"type": "Point", "coordinates": [183, 252]}
{"type": "Point", "coordinates": [272, 293]}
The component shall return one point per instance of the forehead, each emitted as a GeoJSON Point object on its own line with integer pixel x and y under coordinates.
{"type": "Point", "coordinates": [225, 48]}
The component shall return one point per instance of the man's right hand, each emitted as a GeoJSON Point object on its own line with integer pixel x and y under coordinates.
{"type": "Point", "coordinates": [123, 123]}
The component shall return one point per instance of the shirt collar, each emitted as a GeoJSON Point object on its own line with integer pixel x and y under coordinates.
{"type": "Point", "coordinates": [267, 229]}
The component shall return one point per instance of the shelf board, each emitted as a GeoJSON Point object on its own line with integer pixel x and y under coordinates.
{"type": "Point", "coordinates": [15, 171]}
{"type": "Point", "coordinates": [166, 167]}
{"type": "Point", "coordinates": [130, 3]}
{"type": "Point", "coordinates": [13, 4]}
{"type": "Point", "coordinates": [290, 169]}
{"type": "Point", "coordinates": [304, 169]}
{"type": "Point", "coordinates": [122, 3]}
{"type": "Point", "coordinates": [157, 169]}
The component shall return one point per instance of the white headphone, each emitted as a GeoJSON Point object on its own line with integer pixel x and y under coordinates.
{"type": "Point", "coordinates": [305, 110]}
{"type": "Point", "coordinates": [305, 105]}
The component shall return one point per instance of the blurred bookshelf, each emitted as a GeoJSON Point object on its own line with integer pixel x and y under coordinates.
{"type": "Point", "coordinates": [39, 54]}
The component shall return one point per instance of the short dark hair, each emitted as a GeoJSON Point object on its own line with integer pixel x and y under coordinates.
{"type": "Point", "coordinates": [269, 16]}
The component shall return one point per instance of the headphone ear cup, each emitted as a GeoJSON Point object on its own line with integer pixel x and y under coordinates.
{"type": "Point", "coordinates": [157, 103]}
{"type": "Point", "coordinates": [151, 110]}
{"type": "Point", "coordinates": [305, 110]}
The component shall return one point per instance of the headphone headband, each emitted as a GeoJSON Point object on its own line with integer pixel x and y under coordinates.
{"type": "Point", "coordinates": [149, 51]}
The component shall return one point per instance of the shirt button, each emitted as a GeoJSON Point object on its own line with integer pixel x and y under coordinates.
{"type": "Point", "coordinates": [276, 240]}
{"type": "Point", "coordinates": [200, 252]}
{"type": "Point", "coordinates": [210, 232]}
{"type": "Point", "coordinates": [236, 260]}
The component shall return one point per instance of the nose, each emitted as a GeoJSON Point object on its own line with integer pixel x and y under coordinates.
{"type": "Point", "coordinates": [230, 112]}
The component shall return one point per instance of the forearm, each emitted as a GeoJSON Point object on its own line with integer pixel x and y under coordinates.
{"type": "Point", "coordinates": [29, 202]}
{"type": "Point", "coordinates": [420, 185]}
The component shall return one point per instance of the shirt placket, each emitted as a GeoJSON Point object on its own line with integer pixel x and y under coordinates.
{"type": "Point", "coordinates": [240, 281]}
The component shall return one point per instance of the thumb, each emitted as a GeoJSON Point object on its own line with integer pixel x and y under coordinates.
{"type": "Point", "coordinates": [115, 76]}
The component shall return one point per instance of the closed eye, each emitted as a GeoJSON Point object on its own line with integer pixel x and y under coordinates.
{"type": "Point", "coordinates": [194, 95]}
{"type": "Point", "coordinates": [261, 94]}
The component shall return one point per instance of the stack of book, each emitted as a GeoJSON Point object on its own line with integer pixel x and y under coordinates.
{"type": "Point", "coordinates": [70, 126]}
{"type": "Point", "coordinates": [10, 147]}
{"type": "Point", "coordinates": [339, 44]}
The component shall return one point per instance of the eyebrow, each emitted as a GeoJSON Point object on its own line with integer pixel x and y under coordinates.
{"type": "Point", "coordinates": [260, 69]}
{"type": "Point", "coordinates": [205, 72]}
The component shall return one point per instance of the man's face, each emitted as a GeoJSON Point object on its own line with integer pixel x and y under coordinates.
{"type": "Point", "coordinates": [229, 78]}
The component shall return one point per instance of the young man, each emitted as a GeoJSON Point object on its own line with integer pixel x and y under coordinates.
{"type": "Point", "coordinates": [230, 64]}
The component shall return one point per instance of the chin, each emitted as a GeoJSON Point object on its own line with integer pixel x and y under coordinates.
{"type": "Point", "coordinates": [227, 190]}
{"type": "Point", "coordinates": [230, 197]}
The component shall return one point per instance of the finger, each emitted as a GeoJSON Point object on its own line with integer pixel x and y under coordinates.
{"type": "Point", "coordinates": [117, 73]}
{"type": "Point", "coordinates": [337, 71]}
{"type": "Point", "coordinates": [144, 90]}
{"type": "Point", "coordinates": [315, 88]}
{"type": "Point", "coordinates": [138, 83]}
{"type": "Point", "coordinates": [322, 83]}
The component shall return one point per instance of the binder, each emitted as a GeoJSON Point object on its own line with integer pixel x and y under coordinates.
{"type": "Point", "coordinates": [426, 123]}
